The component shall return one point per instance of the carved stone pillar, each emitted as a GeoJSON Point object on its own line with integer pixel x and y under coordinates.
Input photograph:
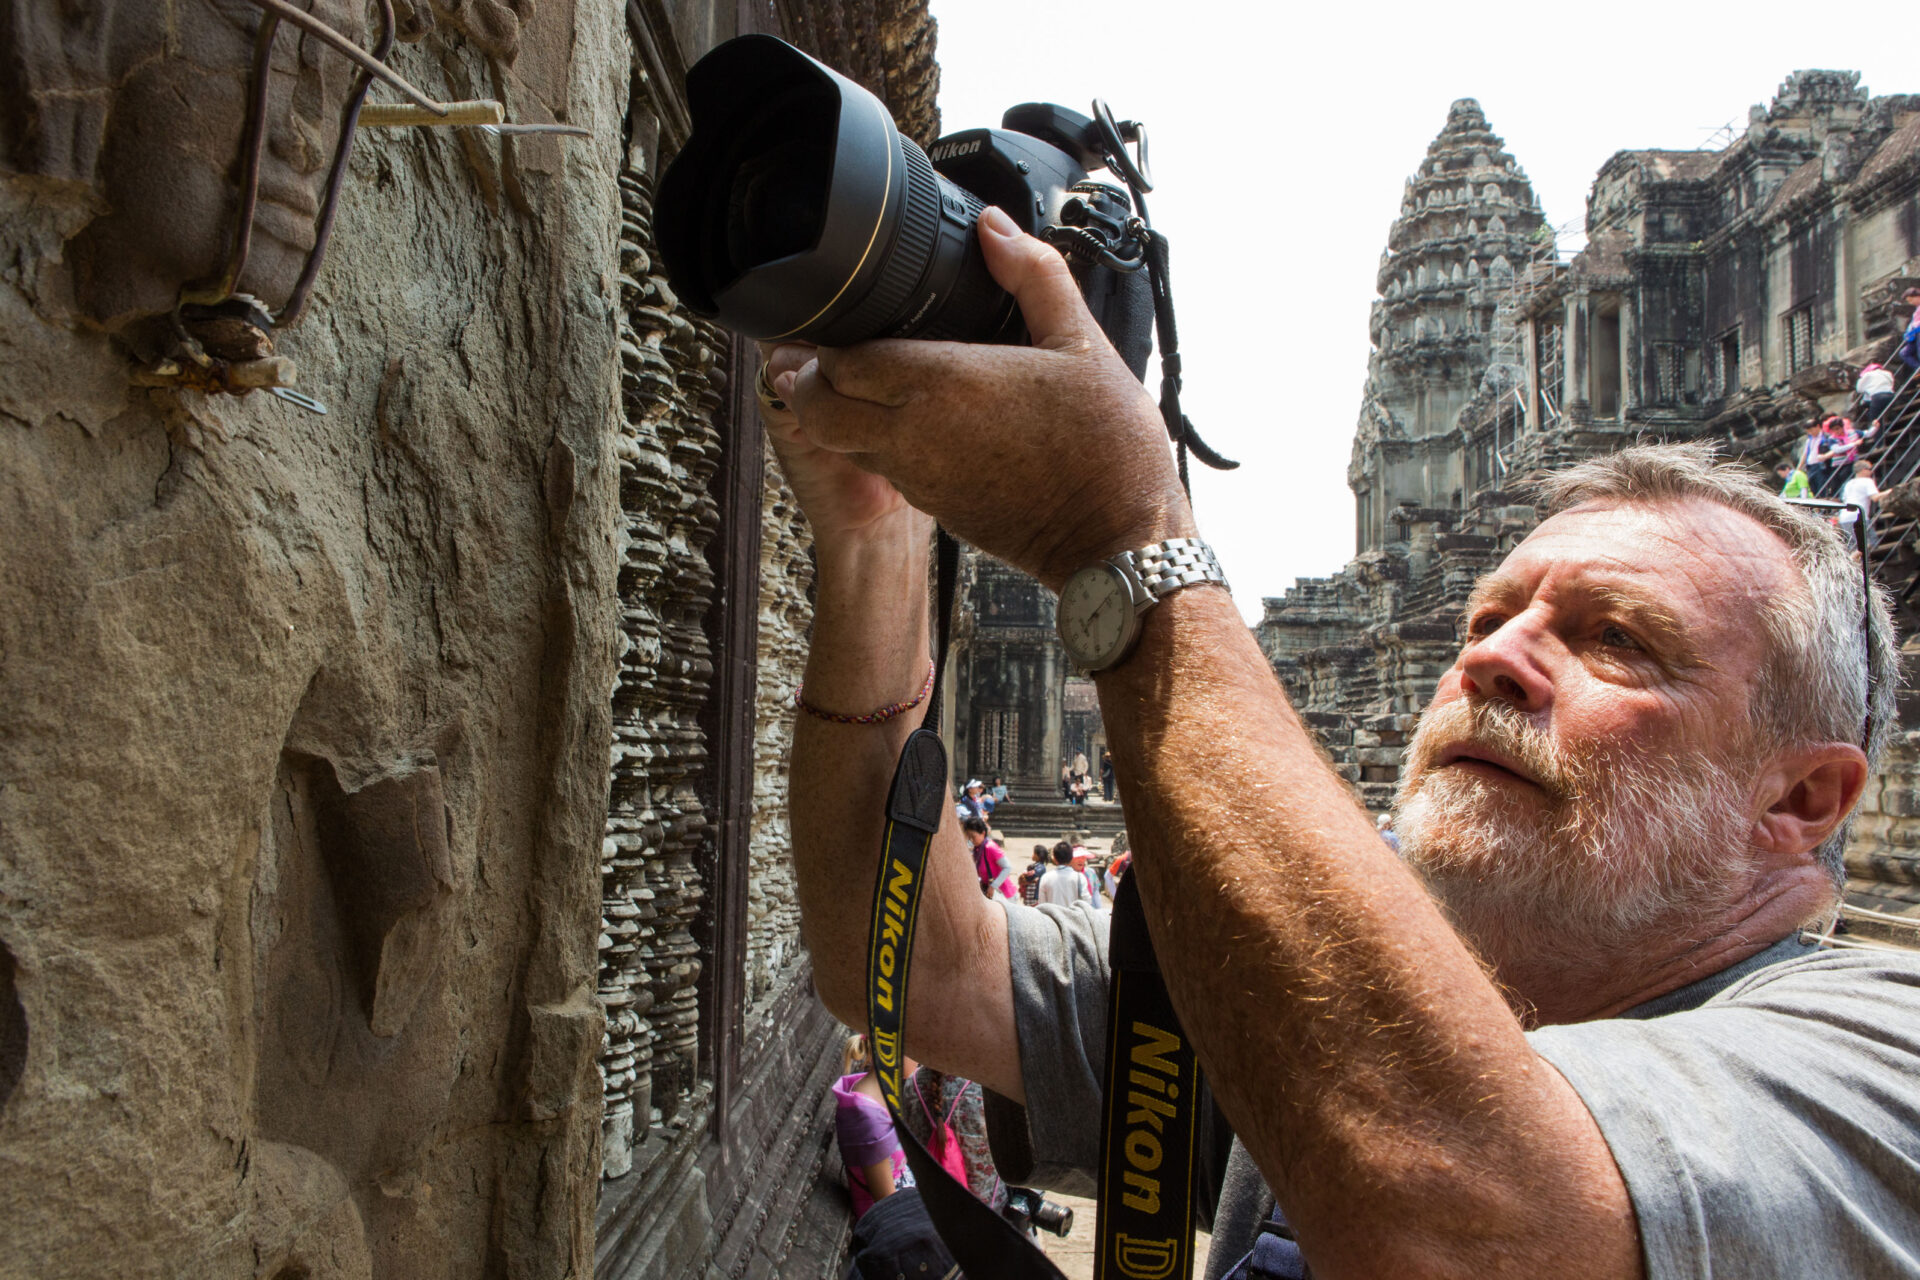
{"type": "Point", "coordinates": [633, 835]}
{"type": "Point", "coordinates": [684, 678]}
{"type": "Point", "coordinates": [773, 913]}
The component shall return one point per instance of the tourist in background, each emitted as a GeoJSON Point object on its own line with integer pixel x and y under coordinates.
{"type": "Point", "coordinates": [1079, 864]}
{"type": "Point", "coordinates": [989, 860]}
{"type": "Point", "coordinates": [1840, 448]}
{"type": "Point", "coordinates": [1859, 494]}
{"type": "Point", "coordinates": [869, 1147]}
{"type": "Point", "coordinates": [948, 1114]}
{"type": "Point", "coordinates": [1811, 454]}
{"type": "Point", "coordinates": [892, 1234]}
{"type": "Point", "coordinates": [1116, 872]}
{"type": "Point", "coordinates": [974, 802]}
{"type": "Point", "coordinates": [1875, 389]}
{"type": "Point", "coordinates": [1385, 827]}
{"type": "Point", "coordinates": [998, 791]}
{"type": "Point", "coordinates": [1910, 341]}
{"type": "Point", "coordinates": [1106, 775]}
{"type": "Point", "coordinates": [1030, 878]}
{"type": "Point", "coordinates": [1062, 886]}
{"type": "Point", "coordinates": [1793, 481]}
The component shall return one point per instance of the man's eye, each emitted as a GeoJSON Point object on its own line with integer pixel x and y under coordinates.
{"type": "Point", "coordinates": [1618, 638]}
{"type": "Point", "coordinates": [1484, 624]}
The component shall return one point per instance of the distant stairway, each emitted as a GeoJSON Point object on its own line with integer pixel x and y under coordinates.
{"type": "Point", "coordinates": [1895, 453]}
{"type": "Point", "coordinates": [1051, 820]}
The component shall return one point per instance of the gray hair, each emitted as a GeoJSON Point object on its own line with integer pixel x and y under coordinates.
{"type": "Point", "coordinates": [1815, 685]}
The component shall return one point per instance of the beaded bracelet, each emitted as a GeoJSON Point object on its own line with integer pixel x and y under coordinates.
{"type": "Point", "coordinates": [881, 716]}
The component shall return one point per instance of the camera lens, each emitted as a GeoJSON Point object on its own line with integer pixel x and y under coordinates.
{"type": "Point", "coordinates": [797, 211]}
{"type": "Point", "coordinates": [777, 199]}
{"type": "Point", "coordinates": [1056, 1218]}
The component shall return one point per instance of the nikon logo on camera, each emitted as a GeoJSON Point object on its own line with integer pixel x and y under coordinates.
{"type": "Point", "coordinates": [943, 151]}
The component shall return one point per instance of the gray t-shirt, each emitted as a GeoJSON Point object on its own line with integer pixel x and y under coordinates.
{"type": "Point", "coordinates": [1062, 887]}
{"type": "Point", "coordinates": [1766, 1119]}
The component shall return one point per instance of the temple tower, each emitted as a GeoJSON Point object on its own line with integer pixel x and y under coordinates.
{"type": "Point", "coordinates": [1467, 219]}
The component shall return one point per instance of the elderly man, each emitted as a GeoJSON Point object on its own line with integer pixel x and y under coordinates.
{"type": "Point", "coordinates": [1573, 1032]}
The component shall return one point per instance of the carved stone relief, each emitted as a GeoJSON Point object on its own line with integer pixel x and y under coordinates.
{"type": "Point", "coordinates": [786, 573]}
{"type": "Point", "coordinates": [140, 106]}
{"type": "Point", "coordinates": [306, 719]}
{"type": "Point", "coordinates": [672, 383]}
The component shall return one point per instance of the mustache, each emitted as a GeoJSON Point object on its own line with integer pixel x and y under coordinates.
{"type": "Point", "coordinates": [1499, 730]}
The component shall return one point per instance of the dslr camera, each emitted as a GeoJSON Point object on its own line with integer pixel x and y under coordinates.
{"type": "Point", "coordinates": [797, 212]}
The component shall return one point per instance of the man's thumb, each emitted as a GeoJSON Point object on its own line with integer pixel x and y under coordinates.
{"type": "Point", "coordinates": [1037, 277]}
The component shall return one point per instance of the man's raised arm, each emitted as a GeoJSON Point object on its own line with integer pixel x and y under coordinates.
{"type": "Point", "coordinates": [870, 649]}
{"type": "Point", "coordinates": [1368, 1064]}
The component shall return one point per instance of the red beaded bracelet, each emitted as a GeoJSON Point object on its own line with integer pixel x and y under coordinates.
{"type": "Point", "coordinates": [881, 716]}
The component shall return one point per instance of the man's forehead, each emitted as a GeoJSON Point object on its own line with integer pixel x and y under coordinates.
{"type": "Point", "coordinates": [1672, 551]}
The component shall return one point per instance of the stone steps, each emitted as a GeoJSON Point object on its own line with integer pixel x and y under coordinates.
{"type": "Point", "coordinates": [1055, 820]}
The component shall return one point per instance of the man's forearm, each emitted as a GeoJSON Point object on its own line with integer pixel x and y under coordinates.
{"type": "Point", "coordinates": [1368, 1064]}
{"type": "Point", "coordinates": [870, 649]}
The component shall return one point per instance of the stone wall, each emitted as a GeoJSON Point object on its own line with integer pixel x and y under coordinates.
{"type": "Point", "coordinates": [303, 758]}
{"type": "Point", "coordinates": [392, 795]}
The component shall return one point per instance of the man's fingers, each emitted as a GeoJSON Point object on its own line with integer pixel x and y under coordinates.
{"type": "Point", "coordinates": [828, 419]}
{"type": "Point", "coordinates": [1037, 277]}
{"type": "Point", "coordinates": [785, 357]}
{"type": "Point", "coordinates": [887, 372]}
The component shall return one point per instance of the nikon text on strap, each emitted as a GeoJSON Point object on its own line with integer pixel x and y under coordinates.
{"type": "Point", "coordinates": [1149, 1136]}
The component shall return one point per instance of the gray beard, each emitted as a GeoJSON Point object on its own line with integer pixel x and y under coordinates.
{"type": "Point", "coordinates": [1639, 853]}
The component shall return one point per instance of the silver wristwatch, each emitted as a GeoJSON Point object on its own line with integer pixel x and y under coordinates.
{"type": "Point", "coordinates": [1102, 605]}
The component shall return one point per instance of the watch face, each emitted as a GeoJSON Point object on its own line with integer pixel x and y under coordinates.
{"type": "Point", "coordinates": [1096, 616]}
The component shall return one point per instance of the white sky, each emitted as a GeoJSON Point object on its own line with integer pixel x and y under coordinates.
{"type": "Point", "coordinates": [1281, 136]}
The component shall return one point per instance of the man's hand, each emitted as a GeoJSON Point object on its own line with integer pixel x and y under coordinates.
{"type": "Point", "coordinates": [1048, 457]}
{"type": "Point", "coordinates": [870, 648]}
{"type": "Point", "coordinates": [840, 500]}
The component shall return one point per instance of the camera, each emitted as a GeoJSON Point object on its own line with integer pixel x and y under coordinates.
{"type": "Point", "coordinates": [796, 211]}
{"type": "Point", "coordinates": [1026, 1206]}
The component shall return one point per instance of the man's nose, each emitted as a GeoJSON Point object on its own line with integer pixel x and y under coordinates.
{"type": "Point", "coordinates": [1511, 664]}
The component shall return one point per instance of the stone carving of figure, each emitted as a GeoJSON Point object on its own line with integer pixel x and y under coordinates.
{"type": "Point", "coordinates": [134, 111]}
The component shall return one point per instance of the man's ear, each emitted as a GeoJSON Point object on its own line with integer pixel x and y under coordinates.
{"type": "Point", "coordinates": [1806, 793]}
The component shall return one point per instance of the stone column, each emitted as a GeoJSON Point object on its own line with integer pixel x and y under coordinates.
{"type": "Point", "coordinates": [1574, 356]}
{"type": "Point", "coordinates": [1530, 363]}
{"type": "Point", "coordinates": [1632, 363]}
{"type": "Point", "coordinates": [1052, 700]}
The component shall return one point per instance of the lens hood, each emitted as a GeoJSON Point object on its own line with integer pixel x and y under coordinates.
{"type": "Point", "coordinates": [784, 203]}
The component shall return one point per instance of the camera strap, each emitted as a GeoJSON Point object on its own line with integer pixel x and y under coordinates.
{"type": "Point", "coordinates": [986, 1245]}
{"type": "Point", "coordinates": [1179, 427]}
{"type": "Point", "coordinates": [1150, 1135]}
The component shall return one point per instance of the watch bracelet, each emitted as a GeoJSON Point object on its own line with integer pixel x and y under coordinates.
{"type": "Point", "coordinates": [1165, 567]}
